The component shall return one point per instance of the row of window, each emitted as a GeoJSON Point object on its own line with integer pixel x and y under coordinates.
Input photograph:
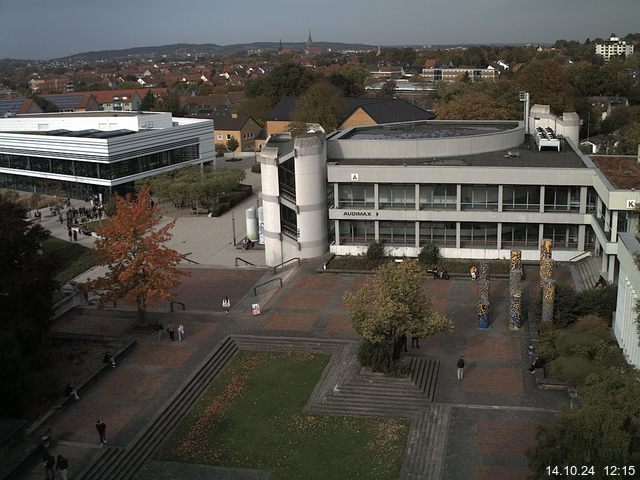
{"type": "Point", "coordinates": [443, 234]}
{"type": "Point", "coordinates": [228, 136]}
{"type": "Point", "coordinates": [445, 196]}
{"type": "Point", "coordinates": [107, 171]}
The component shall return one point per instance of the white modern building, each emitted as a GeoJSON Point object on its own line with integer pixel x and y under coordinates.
{"type": "Point", "coordinates": [625, 324]}
{"type": "Point", "coordinates": [84, 153]}
{"type": "Point", "coordinates": [477, 189]}
{"type": "Point", "coordinates": [613, 47]}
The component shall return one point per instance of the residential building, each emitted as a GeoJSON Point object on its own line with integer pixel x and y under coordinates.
{"type": "Point", "coordinates": [18, 105]}
{"type": "Point", "coordinates": [357, 111]}
{"type": "Point", "coordinates": [241, 127]}
{"type": "Point", "coordinates": [85, 153]}
{"type": "Point", "coordinates": [452, 74]}
{"type": "Point", "coordinates": [74, 102]}
{"type": "Point", "coordinates": [118, 100]}
{"type": "Point", "coordinates": [613, 48]}
{"type": "Point", "coordinates": [605, 105]}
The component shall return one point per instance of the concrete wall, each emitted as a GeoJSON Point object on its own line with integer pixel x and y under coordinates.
{"type": "Point", "coordinates": [624, 326]}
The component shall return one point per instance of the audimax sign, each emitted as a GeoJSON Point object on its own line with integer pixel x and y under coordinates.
{"type": "Point", "coordinates": [359, 213]}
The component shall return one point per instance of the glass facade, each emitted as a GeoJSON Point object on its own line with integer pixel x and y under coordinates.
{"type": "Point", "coordinates": [562, 199]}
{"type": "Point", "coordinates": [356, 195]}
{"type": "Point", "coordinates": [398, 233]}
{"type": "Point", "coordinates": [521, 198]}
{"type": "Point", "coordinates": [563, 237]}
{"type": "Point", "coordinates": [396, 195]}
{"type": "Point", "coordinates": [357, 233]}
{"type": "Point", "coordinates": [520, 235]}
{"type": "Point", "coordinates": [484, 235]}
{"type": "Point", "coordinates": [441, 234]}
{"type": "Point", "coordinates": [438, 196]}
{"type": "Point", "coordinates": [106, 171]}
{"type": "Point", "coordinates": [479, 197]}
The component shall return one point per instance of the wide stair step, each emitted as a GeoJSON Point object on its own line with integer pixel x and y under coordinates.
{"type": "Point", "coordinates": [586, 272]}
{"type": "Point", "coordinates": [426, 445]}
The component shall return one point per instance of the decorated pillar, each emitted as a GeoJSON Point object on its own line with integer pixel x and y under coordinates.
{"type": "Point", "coordinates": [515, 290]}
{"type": "Point", "coordinates": [516, 260]}
{"type": "Point", "coordinates": [485, 270]}
{"type": "Point", "coordinates": [483, 304]}
{"type": "Point", "coordinates": [548, 299]}
{"type": "Point", "coordinates": [546, 264]}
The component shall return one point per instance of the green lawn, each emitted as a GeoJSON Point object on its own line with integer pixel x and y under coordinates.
{"type": "Point", "coordinates": [251, 417]}
{"type": "Point", "coordinates": [74, 258]}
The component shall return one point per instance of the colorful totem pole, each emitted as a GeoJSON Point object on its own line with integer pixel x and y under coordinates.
{"type": "Point", "coordinates": [546, 263]}
{"type": "Point", "coordinates": [515, 290]}
{"type": "Point", "coordinates": [483, 296]}
{"type": "Point", "coordinates": [548, 298]}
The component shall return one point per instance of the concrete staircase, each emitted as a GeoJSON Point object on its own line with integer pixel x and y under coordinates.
{"type": "Point", "coordinates": [426, 445]}
{"type": "Point", "coordinates": [585, 272]}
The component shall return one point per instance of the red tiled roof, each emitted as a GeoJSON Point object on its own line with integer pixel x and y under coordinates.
{"type": "Point", "coordinates": [622, 172]}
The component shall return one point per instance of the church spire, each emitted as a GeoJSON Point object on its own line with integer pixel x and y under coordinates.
{"type": "Point", "coordinates": [309, 40]}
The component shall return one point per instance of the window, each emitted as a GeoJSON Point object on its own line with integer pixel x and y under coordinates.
{"type": "Point", "coordinates": [592, 197]}
{"type": "Point", "coordinates": [623, 222]}
{"type": "Point", "coordinates": [520, 234]}
{"type": "Point", "coordinates": [438, 196]}
{"type": "Point", "coordinates": [398, 233]}
{"type": "Point", "coordinates": [356, 195]}
{"type": "Point", "coordinates": [483, 235]}
{"type": "Point", "coordinates": [228, 136]}
{"type": "Point", "coordinates": [479, 197]}
{"type": "Point", "coordinates": [438, 233]}
{"type": "Point", "coordinates": [401, 196]}
{"type": "Point", "coordinates": [521, 197]}
{"type": "Point", "coordinates": [563, 237]}
{"type": "Point", "coordinates": [330, 196]}
{"type": "Point", "coordinates": [562, 199]}
{"type": "Point", "coordinates": [357, 232]}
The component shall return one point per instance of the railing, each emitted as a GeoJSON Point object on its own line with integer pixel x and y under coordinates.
{"type": "Point", "coordinates": [255, 289]}
{"type": "Point", "coordinates": [284, 263]}
{"type": "Point", "coordinates": [580, 256]}
{"type": "Point", "coordinates": [176, 303]}
{"type": "Point", "coordinates": [244, 261]}
{"type": "Point", "coordinates": [184, 257]}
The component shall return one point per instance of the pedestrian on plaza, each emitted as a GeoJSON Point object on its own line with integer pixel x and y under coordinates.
{"type": "Point", "coordinates": [102, 431]}
{"type": "Point", "coordinates": [75, 235]}
{"type": "Point", "coordinates": [70, 233]}
{"type": "Point", "coordinates": [473, 272]}
{"type": "Point", "coordinates": [160, 331]}
{"type": "Point", "coordinates": [62, 465]}
{"type": "Point", "coordinates": [460, 366]}
{"type": "Point", "coordinates": [171, 328]}
{"type": "Point", "coordinates": [415, 342]}
{"type": "Point", "coordinates": [180, 332]}
{"type": "Point", "coordinates": [226, 304]}
{"type": "Point", "coordinates": [49, 465]}
{"type": "Point", "coordinates": [109, 358]}
{"type": "Point", "coordinates": [69, 391]}
{"type": "Point", "coordinates": [60, 219]}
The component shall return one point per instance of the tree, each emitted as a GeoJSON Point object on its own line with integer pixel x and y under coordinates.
{"type": "Point", "coordinates": [548, 83]}
{"type": "Point", "coordinates": [322, 103]}
{"type": "Point", "coordinates": [232, 145]}
{"type": "Point", "coordinates": [286, 79]}
{"type": "Point", "coordinates": [475, 105]}
{"type": "Point", "coordinates": [26, 298]}
{"type": "Point", "coordinates": [148, 102]}
{"type": "Point", "coordinates": [388, 89]}
{"type": "Point", "coordinates": [390, 306]}
{"type": "Point", "coordinates": [141, 269]}
{"type": "Point", "coordinates": [603, 430]}
{"type": "Point", "coordinates": [170, 103]}
{"type": "Point", "coordinates": [629, 139]}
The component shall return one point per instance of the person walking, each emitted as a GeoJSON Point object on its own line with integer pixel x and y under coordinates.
{"type": "Point", "coordinates": [160, 328]}
{"type": "Point", "coordinates": [102, 431]}
{"type": "Point", "coordinates": [62, 465]}
{"type": "Point", "coordinates": [49, 465]}
{"type": "Point", "coordinates": [226, 304]}
{"type": "Point", "coordinates": [415, 342]}
{"type": "Point", "coordinates": [69, 391]}
{"type": "Point", "coordinates": [75, 235]}
{"type": "Point", "coordinates": [172, 331]}
{"type": "Point", "coordinates": [70, 233]}
{"type": "Point", "coordinates": [460, 366]}
{"type": "Point", "coordinates": [180, 332]}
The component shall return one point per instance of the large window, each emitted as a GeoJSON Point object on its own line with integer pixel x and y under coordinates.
{"type": "Point", "coordinates": [357, 232]}
{"type": "Point", "coordinates": [562, 199]}
{"type": "Point", "coordinates": [439, 233]}
{"type": "Point", "coordinates": [287, 179]}
{"type": "Point", "coordinates": [398, 233]}
{"type": "Point", "coordinates": [562, 236]}
{"type": "Point", "coordinates": [355, 195]}
{"type": "Point", "coordinates": [521, 197]}
{"type": "Point", "coordinates": [289, 222]}
{"type": "Point", "coordinates": [483, 235]}
{"type": "Point", "coordinates": [330, 196]}
{"type": "Point", "coordinates": [592, 197]}
{"type": "Point", "coordinates": [479, 197]}
{"type": "Point", "coordinates": [520, 234]}
{"type": "Point", "coordinates": [396, 195]}
{"type": "Point", "coordinates": [438, 196]}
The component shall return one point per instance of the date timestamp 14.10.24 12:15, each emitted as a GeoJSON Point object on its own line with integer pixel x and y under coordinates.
{"type": "Point", "coordinates": [620, 471]}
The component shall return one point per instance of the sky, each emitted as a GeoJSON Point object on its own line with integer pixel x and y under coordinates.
{"type": "Point", "coordinates": [43, 29]}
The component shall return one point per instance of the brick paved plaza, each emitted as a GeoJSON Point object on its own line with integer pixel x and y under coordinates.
{"type": "Point", "coordinates": [494, 410]}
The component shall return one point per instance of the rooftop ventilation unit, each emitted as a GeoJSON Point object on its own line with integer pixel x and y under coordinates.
{"type": "Point", "coordinates": [546, 137]}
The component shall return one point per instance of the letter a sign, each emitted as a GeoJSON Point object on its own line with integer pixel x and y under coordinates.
{"type": "Point", "coordinates": [354, 177]}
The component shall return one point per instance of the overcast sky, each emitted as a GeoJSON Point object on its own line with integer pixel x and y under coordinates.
{"type": "Point", "coordinates": [54, 28]}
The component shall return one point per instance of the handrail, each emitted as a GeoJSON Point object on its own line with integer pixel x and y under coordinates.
{"type": "Point", "coordinates": [184, 257]}
{"type": "Point", "coordinates": [255, 293]}
{"type": "Point", "coordinates": [284, 263]}
{"type": "Point", "coordinates": [245, 261]}
{"type": "Point", "coordinates": [178, 303]}
{"type": "Point", "coordinates": [586, 254]}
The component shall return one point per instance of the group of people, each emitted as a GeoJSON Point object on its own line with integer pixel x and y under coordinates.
{"type": "Point", "coordinates": [247, 244]}
{"type": "Point", "coordinates": [53, 465]}
{"type": "Point", "coordinates": [171, 331]}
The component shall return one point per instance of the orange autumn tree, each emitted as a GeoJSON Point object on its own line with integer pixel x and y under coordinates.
{"type": "Point", "coordinates": [141, 269]}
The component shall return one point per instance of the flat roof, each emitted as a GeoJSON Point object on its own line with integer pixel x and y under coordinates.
{"type": "Point", "coordinates": [623, 172]}
{"type": "Point", "coordinates": [524, 156]}
{"type": "Point", "coordinates": [429, 129]}
{"type": "Point", "coordinates": [96, 113]}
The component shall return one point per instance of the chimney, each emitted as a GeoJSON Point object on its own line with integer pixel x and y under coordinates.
{"type": "Point", "coordinates": [234, 115]}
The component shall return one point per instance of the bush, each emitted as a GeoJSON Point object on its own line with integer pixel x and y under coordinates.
{"type": "Point", "coordinates": [375, 251]}
{"type": "Point", "coordinates": [572, 370]}
{"type": "Point", "coordinates": [256, 168]}
{"type": "Point", "coordinates": [220, 150]}
{"type": "Point", "coordinates": [383, 357]}
{"type": "Point", "coordinates": [583, 339]}
{"type": "Point", "coordinates": [570, 305]}
{"type": "Point", "coordinates": [429, 255]}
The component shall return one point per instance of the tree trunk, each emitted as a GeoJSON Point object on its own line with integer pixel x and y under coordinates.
{"type": "Point", "coordinates": [142, 310]}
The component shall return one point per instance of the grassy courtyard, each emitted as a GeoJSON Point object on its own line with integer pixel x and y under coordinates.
{"type": "Point", "coordinates": [73, 258]}
{"type": "Point", "coordinates": [251, 417]}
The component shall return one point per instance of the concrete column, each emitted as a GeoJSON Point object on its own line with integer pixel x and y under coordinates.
{"type": "Point", "coordinates": [612, 268]}
{"type": "Point", "coordinates": [598, 207]}
{"type": "Point", "coordinates": [377, 224]}
{"type": "Point", "coordinates": [582, 232]}
{"type": "Point", "coordinates": [336, 195]}
{"type": "Point", "coordinates": [614, 225]}
{"type": "Point", "coordinates": [499, 235]}
{"type": "Point", "coordinates": [417, 242]}
{"type": "Point", "coordinates": [500, 197]}
{"type": "Point", "coordinates": [541, 202]}
{"type": "Point", "coordinates": [607, 221]}
{"type": "Point", "coordinates": [603, 265]}
{"type": "Point", "coordinates": [268, 158]}
{"type": "Point", "coordinates": [336, 227]}
{"type": "Point", "coordinates": [540, 233]}
{"type": "Point", "coordinates": [417, 197]}
{"type": "Point", "coordinates": [458, 232]}
{"type": "Point", "coordinates": [583, 200]}
{"type": "Point", "coordinates": [375, 202]}
{"type": "Point", "coordinates": [458, 198]}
